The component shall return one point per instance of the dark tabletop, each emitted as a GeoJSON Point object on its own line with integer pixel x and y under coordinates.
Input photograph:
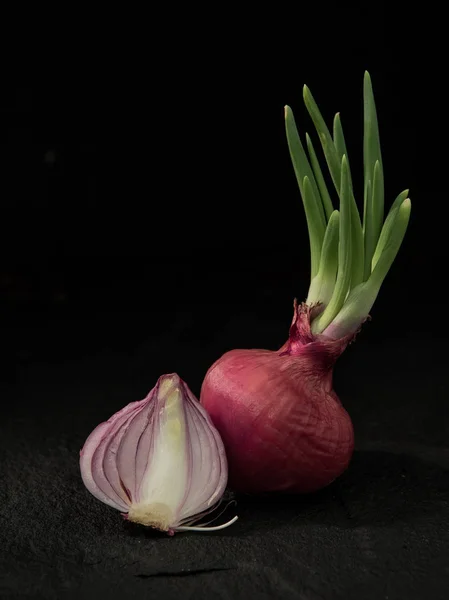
{"type": "Point", "coordinates": [380, 531]}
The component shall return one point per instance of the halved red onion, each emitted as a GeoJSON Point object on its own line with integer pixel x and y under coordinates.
{"type": "Point", "coordinates": [160, 461]}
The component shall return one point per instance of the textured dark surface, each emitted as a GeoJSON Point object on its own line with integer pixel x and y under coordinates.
{"type": "Point", "coordinates": [380, 531]}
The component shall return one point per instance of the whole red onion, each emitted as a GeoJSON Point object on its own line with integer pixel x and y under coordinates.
{"type": "Point", "coordinates": [282, 424]}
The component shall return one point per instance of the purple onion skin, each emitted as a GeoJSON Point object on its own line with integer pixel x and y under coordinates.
{"type": "Point", "coordinates": [283, 426]}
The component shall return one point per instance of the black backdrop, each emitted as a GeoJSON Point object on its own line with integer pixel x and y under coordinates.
{"type": "Point", "coordinates": [151, 221]}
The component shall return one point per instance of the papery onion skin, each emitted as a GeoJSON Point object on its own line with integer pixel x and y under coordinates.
{"type": "Point", "coordinates": [283, 426]}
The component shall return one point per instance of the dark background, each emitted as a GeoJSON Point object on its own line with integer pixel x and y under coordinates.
{"type": "Point", "coordinates": [150, 222]}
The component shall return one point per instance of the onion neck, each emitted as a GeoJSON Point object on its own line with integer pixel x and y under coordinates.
{"type": "Point", "coordinates": [318, 350]}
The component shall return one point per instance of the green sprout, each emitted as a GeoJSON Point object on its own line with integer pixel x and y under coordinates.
{"type": "Point", "coordinates": [350, 257]}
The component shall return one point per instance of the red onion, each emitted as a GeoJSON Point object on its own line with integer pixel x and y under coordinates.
{"type": "Point", "coordinates": [282, 424]}
{"type": "Point", "coordinates": [159, 461]}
